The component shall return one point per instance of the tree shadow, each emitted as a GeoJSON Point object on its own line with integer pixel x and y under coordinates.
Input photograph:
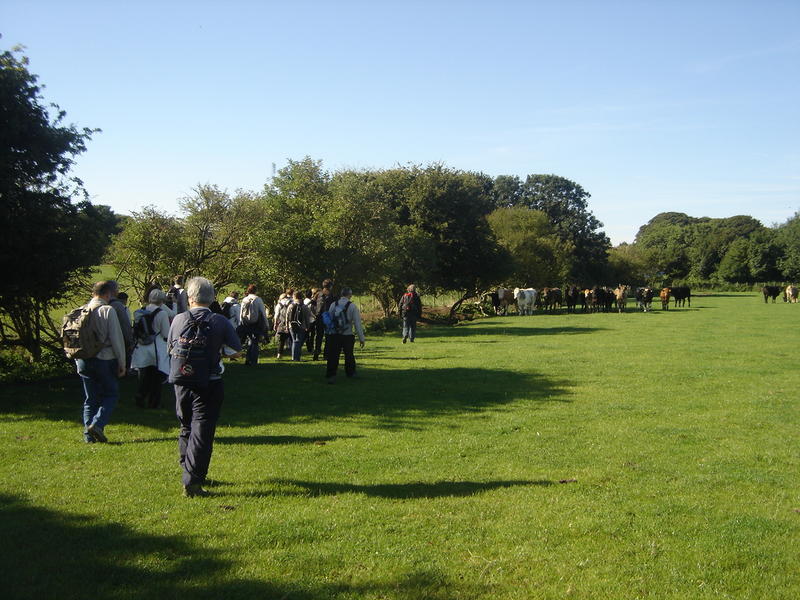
{"type": "Point", "coordinates": [281, 440]}
{"type": "Point", "coordinates": [392, 491]}
{"type": "Point", "coordinates": [297, 392]}
{"type": "Point", "coordinates": [48, 554]}
{"type": "Point", "coordinates": [504, 326]}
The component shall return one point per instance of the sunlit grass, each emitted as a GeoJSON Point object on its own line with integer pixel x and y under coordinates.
{"type": "Point", "coordinates": [591, 456]}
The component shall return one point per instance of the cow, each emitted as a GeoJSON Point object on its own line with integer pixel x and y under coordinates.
{"type": "Point", "coordinates": [770, 291]}
{"type": "Point", "coordinates": [790, 294]}
{"type": "Point", "coordinates": [644, 298]}
{"type": "Point", "coordinates": [500, 300]}
{"type": "Point", "coordinates": [664, 295]}
{"type": "Point", "coordinates": [526, 300]}
{"type": "Point", "coordinates": [682, 294]}
{"type": "Point", "coordinates": [621, 297]}
{"type": "Point", "coordinates": [551, 299]}
{"type": "Point", "coordinates": [573, 297]}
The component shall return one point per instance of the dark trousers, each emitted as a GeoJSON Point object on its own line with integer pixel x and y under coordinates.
{"type": "Point", "coordinates": [254, 337]}
{"type": "Point", "coordinates": [149, 392]}
{"type": "Point", "coordinates": [319, 336]}
{"type": "Point", "coordinates": [334, 346]}
{"type": "Point", "coordinates": [311, 337]}
{"type": "Point", "coordinates": [198, 411]}
{"type": "Point", "coordinates": [282, 339]}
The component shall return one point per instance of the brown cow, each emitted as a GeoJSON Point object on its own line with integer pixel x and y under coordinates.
{"type": "Point", "coordinates": [664, 295]}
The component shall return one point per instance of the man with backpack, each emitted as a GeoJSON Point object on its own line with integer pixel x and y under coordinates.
{"type": "Point", "coordinates": [343, 317]}
{"type": "Point", "coordinates": [281, 322]}
{"type": "Point", "coordinates": [299, 320]}
{"type": "Point", "coordinates": [232, 310]}
{"type": "Point", "coordinates": [325, 300]}
{"type": "Point", "coordinates": [410, 310]}
{"type": "Point", "coordinates": [197, 339]}
{"type": "Point", "coordinates": [253, 315]}
{"type": "Point", "coordinates": [93, 337]}
{"type": "Point", "coordinates": [150, 355]}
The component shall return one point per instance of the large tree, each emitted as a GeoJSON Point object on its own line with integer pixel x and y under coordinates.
{"type": "Point", "coordinates": [539, 256]}
{"type": "Point", "coordinates": [57, 240]}
{"type": "Point", "coordinates": [566, 205]}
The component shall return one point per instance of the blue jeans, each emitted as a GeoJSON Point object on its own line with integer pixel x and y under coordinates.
{"type": "Point", "coordinates": [101, 386]}
{"type": "Point", "coordinates": [409, 326]}
{"type": "Point", "coordinates": [298, 337]}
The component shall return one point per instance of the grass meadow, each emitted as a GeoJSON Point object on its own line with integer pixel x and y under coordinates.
{"type": "Point", "coordinates": [639, 455]}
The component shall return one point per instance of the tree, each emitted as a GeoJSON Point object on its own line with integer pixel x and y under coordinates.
{"type": "Point", "coordinates": [788, 238]}
{"type": "Point", "coordinates": [628, 265]}
{"type": "Point", "coordinates": [566, 205]}
{"type": "Point", "coordinates": [60, 241]}
{"type": "Point", "coordinates": [539, 256]}
{"type": "Point", "coordinates": [150, 249]}
{"type": "Point", "coordinates": [451, 206]}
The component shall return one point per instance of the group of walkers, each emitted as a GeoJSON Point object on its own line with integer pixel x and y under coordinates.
{"type": "Point", "coordinates": [180, 336]}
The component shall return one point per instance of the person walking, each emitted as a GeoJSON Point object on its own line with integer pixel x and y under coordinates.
{"type": "Point", "coordinates": [346, 318]}
{"type": "Point", "coordinates": [150, 355]}
{"type": "Point", "coordinates": [124, 317]}
{"type": "Point", "coordinates": [196, 372]}
{"type": "Point", "coordinates": [311, 302]}
{"type": "Point", "coordinates": [232, 310]}
{"type": "Point", "coordinates": [299, 321]}
{"type": "Point", "coordinates": [177, 300]}
{"type": "Point", "coordinates": [281, 324]}
{"type": "Point", "coordinates": [99, 374]}
{"type": "Point", "coordinates": [410, 310]}
{"type": "Point", "coordinates": [253, 316]}
{"type": "Point", "coordinates": [325, 300]}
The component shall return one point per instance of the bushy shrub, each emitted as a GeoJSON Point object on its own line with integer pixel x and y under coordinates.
{"type": "Point", "coordinates": [384, 324]}
{"type": "Point", "coordinates": [16, 366]}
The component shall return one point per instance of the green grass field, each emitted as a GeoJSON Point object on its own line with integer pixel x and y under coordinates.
{"type": "Point", "coordinates": [581, 456]}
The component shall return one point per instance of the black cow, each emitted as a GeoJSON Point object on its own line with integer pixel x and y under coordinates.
{"type": "Point", "coordinates": [771, 291]}
{"type": "Point", "coordinates": [644, 298]}
{"type": "Point", "coordinates": [681, 294]}
{"type": "Point", "coordinates": [573, 297]}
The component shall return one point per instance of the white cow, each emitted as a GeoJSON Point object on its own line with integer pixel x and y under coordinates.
{"type": "Point", "coordinates": [526, 300]}
{"type": "Point", "coordinates": [790, 295]}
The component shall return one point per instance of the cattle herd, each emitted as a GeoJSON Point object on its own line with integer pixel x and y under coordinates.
{"type": "Point", "coordinates": [574, 299]}
{"type": "Point", "coordinates": [604, 299]}
{"type": "Point", "coordinates": [773, 291]}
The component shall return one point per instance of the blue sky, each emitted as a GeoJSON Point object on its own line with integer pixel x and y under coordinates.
{"type": "Point", "coordinates": [650, 106]}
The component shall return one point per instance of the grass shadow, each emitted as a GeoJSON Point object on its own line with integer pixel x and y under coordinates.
{"type": "Point", "coordinates": [280, 440]}
{"type": "Point", "coordinates": [48, 554]}
{"type": "Point", "coordinates": [394, 491]}
{"type": "Point", "coordinates": [275, 392]}
{"type": "Point", "coordinates": [503, 326]}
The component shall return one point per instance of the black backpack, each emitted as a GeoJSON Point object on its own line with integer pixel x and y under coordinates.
{"type": "Point", "coordinates": [226, 309]}
{"type": "Point", "coordinates": [191, 360]}
{"type": "Point", "coordinates": [143, 330]}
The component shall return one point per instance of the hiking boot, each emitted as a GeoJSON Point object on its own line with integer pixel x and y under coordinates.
{"type": "Point", "coordinates": [195, 490]}
{"type": "Point", "coordinates": [405, 340]}
{"type": "Point", "coordinates": [97, 433]}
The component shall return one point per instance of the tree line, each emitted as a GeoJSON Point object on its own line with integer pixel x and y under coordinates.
{"type": "Point", "coordinates": [375, 230]}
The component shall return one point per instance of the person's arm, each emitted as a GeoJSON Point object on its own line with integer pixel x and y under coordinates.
{"type": "Point", "coordinates": [116, 339]}
{"type": "Point", "coordinates": [231, 339]}
{"type": "Point", "coordinates": [161, 324]}
{"type": "Point", "coordinates": [356, 320]}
